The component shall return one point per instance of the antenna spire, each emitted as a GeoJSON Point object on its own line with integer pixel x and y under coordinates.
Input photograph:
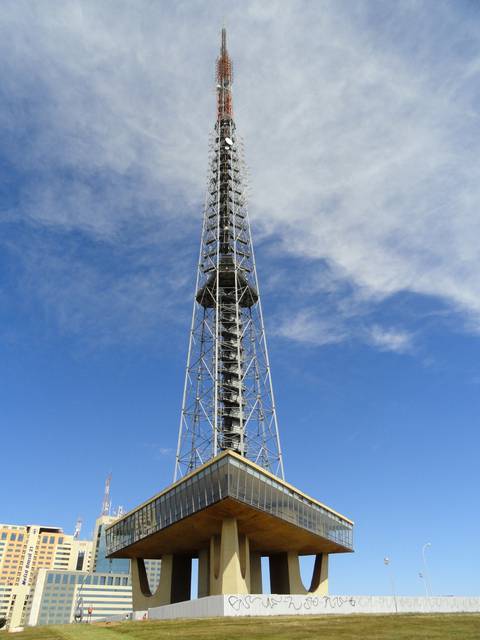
{"type": "Point", "coordinates": [224, 41]}
{"type": "Point", "coordinates": [224, 82]}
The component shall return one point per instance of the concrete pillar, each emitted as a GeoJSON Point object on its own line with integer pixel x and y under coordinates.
{"type": "Point", "coordinates": [181, 578]}
{"type": "Point", "coordinates": [142, 597]}
{"type": "Point", "coordinates": [294, 576]}
{"type": "Point", "coordinates": [285, 574]}
{"type": "Point", "coordinates": [319, 585]}
{"type": "Point", "coordinates": [229, 561]}
{"type": "Point", "coordinates": [203, 573]}
{"type": "Point", "coordinates": [279, 582]}
{"type": "Point", "coordinates": [214, 573]}
{"type": "Point", "coordinates": [255, 572]}
{"type": "Point", "coordinates": [245, 564]}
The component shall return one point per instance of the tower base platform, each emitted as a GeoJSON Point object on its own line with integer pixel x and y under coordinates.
{"type": "Point", "coordinates": [292, 605]}
{"type": "Point", "coordinates": [228, 514]}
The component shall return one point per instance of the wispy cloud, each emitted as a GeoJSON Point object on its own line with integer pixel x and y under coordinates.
{"type": "Point", "coordinates": [165, 452]}
{"type": "Point", "coordinates": [157, 451]}
{"type": "Point", "coordinates": [395, 340]}
{"type": "Point", "coordinates": [305, 326]}
{"type": "Point", "coordinates": [333, 325]}
{"type": "Point", "coordinates": [361, 133]}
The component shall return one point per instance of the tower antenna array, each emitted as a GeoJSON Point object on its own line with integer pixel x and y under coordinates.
{"type": "Point", "coordinates": [228, 401]}
{"type": "Point", "coordinates": [106, 504]}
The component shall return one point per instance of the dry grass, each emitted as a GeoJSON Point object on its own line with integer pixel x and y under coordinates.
{"type": "Point", "coordinates": [401, 627]}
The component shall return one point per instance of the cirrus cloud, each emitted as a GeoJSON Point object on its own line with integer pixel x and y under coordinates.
{"type": "Point", "coordinates": [360, 124]}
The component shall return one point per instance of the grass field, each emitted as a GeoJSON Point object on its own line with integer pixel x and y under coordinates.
{"type": "Point", "coordinates": [401, 627]}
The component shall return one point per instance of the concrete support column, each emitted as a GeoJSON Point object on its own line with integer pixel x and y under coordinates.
{"type": "Point", "coordinates": [285, 574]}
{"type": "Point", "coordinates": [174, 585]}
{"type": "Point", "coordinates": [142, 597]}
{"type": "Point", "coordinates": [255, 572]}
{"type": "Point", "coordinates": [294, 575]}
{"type": "Point", "coordinates": [279, 579]}
{"type": "Point", "coordinates": [181, 578]}
{"type": "Point", "coordinates": [319, 584]}
{"type": "Point", "coordinates": [203, 573]}
{"type": "Point", "coordinates": [229, 561]}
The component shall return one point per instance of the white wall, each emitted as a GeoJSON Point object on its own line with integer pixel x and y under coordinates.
{"type": "Point", "coordinates": [274, 605]}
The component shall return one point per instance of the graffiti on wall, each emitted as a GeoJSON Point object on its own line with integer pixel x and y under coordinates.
{"type": "Point", "coordinates": [296, 603]}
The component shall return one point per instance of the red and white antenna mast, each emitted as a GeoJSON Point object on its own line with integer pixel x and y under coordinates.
{"type": "Point", "coordinates": [106, 504]}
{"type": "Point", "coordinates": [224, 81]}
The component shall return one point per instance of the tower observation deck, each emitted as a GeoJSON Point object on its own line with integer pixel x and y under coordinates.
{"type": "Point", "coordinates": [228, 401]}
{"type": "Point", "coordinates": [229, 504]}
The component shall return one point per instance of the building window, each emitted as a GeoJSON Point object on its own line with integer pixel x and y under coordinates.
{"type": "Point", "coordinates": [13, 536]}
{"type": "Point", "coordinates": [102, 579]}
{"type": "Point", "coordinates": [50, 578]}
{"type": "Point", "coordinates": [52, 539]}
{"type": "Point", "coordinates": [4, 536]}
{"type": "Point", "coordinates": [58, 579]}
{"type": "Point", "coordinates": [109, 580]}
{"type": "Point", "coordinates": [44, 539]}
{"type": "Point", "coordinates": [20, 537]}
{"type": "Point", "coordinates": [60, 541]}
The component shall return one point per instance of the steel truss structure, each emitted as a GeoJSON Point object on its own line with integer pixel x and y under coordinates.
{"type": "Point", "coordinates": [228, 400]}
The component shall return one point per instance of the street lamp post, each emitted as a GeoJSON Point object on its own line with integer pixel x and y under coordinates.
{"type": "Point", "coordinates": [422, 577]}
{"type": "Point", "coordinates": [386, 562]}
{"type": "Point", "coordinates": [425, 569]}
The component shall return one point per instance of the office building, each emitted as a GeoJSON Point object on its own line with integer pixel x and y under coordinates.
{"type": "Point", "coordinates": [66, 596]}
{"type": "Point", "coordinates": [63, 597]}
{"type": "Point", "coordinates": [24, 551]}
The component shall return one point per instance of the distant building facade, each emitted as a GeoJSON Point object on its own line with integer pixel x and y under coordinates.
{"type": "Point", "coordinates": [62, 597]}
{"type": "Point", "coordinates": [24, 551]}
{"type": "Point", "coordinates": [49, 577]}
{"type": "Point", "coordinates": [102, 564]}
{"type": "Point", "coordinates": [65, 590]}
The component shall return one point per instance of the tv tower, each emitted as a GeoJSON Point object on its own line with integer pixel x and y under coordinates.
{"type": "Point", "coordinates": [229, 505]}
{"type": "Point", "coordinates": [228, 401]}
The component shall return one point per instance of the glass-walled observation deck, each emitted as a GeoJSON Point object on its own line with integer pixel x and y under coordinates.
{"type": "Point", "coordinates": [229, 476]}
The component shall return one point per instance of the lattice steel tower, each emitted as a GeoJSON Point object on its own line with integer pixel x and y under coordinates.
{"type": "Point", "coordinates": [228, 398]}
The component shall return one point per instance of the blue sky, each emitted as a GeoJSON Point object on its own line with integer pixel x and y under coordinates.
{"type": "Point", "coordinates": [361, 133]}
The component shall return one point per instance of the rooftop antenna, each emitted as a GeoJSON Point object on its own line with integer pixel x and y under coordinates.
{"type": "Point", "coordinates": [78, 528]}
{"type": "Point", "coordinates": [106, 504]}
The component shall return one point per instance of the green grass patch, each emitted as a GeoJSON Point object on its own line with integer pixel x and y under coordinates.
{"type": "Point", "coordinates": [352, 627]}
